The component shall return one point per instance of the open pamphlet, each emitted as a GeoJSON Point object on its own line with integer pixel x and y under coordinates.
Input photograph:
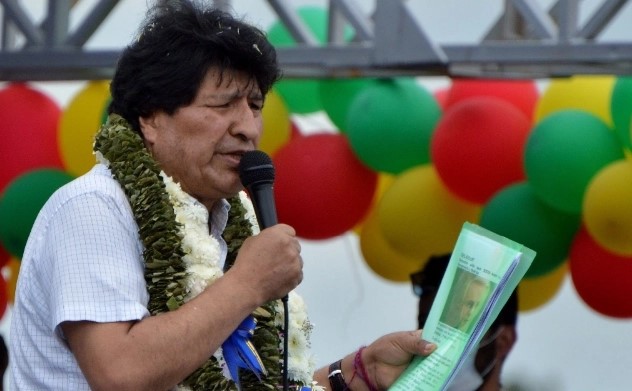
{"type": "Point", "coordinates": [483, 271]}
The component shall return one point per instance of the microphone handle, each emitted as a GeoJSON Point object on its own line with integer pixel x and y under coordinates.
{"type": "Point", "coordinates": [263, 202]}
{"type": "Point", "coordinates": [262, 195]}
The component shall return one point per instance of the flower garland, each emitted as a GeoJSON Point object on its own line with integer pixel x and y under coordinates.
{"type": "Point", "coordinates": [182, 259]}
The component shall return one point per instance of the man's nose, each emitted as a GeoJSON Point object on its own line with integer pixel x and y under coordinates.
{"type": "Point", "coordinates": [247, 122]}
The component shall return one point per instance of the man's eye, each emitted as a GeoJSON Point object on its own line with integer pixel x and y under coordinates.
{"type": "Point", "coordinates": [218, 105]}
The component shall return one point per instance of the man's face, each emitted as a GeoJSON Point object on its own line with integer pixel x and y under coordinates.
{"type": "Point", "coordinates": [201, 144]}
{"type": "Point", "coordinates": [471, 301]}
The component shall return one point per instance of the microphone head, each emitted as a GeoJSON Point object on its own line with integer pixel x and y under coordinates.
{"type": "Point", "coordinates": [256, 167]}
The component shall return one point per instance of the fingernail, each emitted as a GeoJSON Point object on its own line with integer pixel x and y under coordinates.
{"type": "Point", "coordinates": [429, 348]}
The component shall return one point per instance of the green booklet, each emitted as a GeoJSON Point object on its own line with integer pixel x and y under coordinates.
{"type": "Point", "coordinates": [483, 271]}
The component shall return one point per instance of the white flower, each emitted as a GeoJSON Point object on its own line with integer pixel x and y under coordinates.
{"type": "Point", "coordinates": [250, 212]}
{"type": "Point", "coordinates": [101, 159]}
{"type": "Point", "coordinates": [200, 276]}
{"type": "Point", "coordinates": [201, 259]}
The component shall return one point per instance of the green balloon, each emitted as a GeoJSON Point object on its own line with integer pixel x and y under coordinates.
{"type": "Point", "coordinates": [563, 153]}
{"type": "Point", "coordinates": [515, 212]}
{"type": "Point", "coordinates": [390, 124]}
{"type": "Point", "coordinates": [21, 202]}
{"type": "Point", "coordinates": [337, 96]}
{"type": "Point", "coordinates": [621, 109]}
{"type": "Point", "coordinates": [301, 95]}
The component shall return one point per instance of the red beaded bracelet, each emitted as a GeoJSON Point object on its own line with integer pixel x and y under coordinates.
{"type": "Point", "coordinates": [362, 373]}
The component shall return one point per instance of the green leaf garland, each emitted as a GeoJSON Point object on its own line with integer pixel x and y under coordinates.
{"type": "Point", "coordinates": [165, 273]}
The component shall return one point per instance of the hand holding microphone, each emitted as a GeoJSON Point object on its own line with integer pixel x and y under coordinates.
{"type": "Point", "coordinates": [273, 256]}
{"type": "Point", "coordinates": [257, 175]}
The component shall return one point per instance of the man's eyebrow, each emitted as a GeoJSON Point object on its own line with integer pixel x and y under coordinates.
{"type": "Point", "coordinates": [222, 95]}
{"type": "Point", "coordinates": [233, 94]}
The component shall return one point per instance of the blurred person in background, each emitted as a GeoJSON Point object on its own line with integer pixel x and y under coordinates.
{"type": "Point", "coordinates": [484, 371]}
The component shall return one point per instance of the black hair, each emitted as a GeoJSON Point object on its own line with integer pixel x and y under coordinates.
{"type": "Point", "coordinates": [177, 44]}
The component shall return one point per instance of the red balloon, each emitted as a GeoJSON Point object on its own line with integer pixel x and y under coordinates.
{"type": "Point", "coordinates": [441, 96]}
{"type": "Point", "coordinates": [28, 132]}
{"type": "Point", "coordinates": [321, 188]}
{"type": "Point", "coordinates": [295, 130]}
{"type": "Point", "coordinates": [4, 257]}
{"type": "Point", "coordinates": [523, 94]}
{"type": "Point", "coordinates": [601, 278]}
{"type": "Point", "coordinates": [477, 147]}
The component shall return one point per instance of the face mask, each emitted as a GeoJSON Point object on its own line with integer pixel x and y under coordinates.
{"type": "Point", "coordinates": [468, 378]}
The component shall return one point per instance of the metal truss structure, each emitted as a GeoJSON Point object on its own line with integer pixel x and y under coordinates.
{"type": "Point", "coordinates": [526, 41]}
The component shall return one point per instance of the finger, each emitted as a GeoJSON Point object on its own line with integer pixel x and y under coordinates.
{"type": "Point", "coordinates": [428, 347]}
{"type": "Point", "coordinates": [423, 346]}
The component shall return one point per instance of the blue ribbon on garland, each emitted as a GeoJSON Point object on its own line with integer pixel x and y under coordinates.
{"type": "Point", "coordinates": [239, 352]}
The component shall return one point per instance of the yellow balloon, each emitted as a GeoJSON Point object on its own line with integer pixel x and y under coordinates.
{"type": "Point", "coordinates": [535, 292]}
{"type": "Point", "coordinates": [276, 124]}
{"type": "Point", "coordinates": [381, 258]}
{"type": "Point", "coordinates": [607, 207]}
{"type": "Point", "coordinates": [588, 93]}
{"type": "Point", "coordinates": [79, 123]}
{"type": "Point", "coordinates": [13, 269]}
{"type": "Point", "coordinates": [384, 180]}
{"type": "Point", "coordinates": [418, 215]}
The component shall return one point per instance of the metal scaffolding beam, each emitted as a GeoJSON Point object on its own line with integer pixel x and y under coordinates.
{"type": "Point", "coordinates": [525, 41]}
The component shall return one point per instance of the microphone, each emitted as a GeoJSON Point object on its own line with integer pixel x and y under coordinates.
{"type": "Point", "coordinates": [256, 173]}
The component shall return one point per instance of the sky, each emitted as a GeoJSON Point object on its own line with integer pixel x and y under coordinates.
{"type": "Point", "coordinates": [562, 346]}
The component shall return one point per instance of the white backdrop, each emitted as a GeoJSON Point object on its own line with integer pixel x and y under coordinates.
{"type": "Point", "coordinates": [562, 346]}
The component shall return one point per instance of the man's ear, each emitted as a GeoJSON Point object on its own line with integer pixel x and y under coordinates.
{"type": "Point", "coordinates": [505, 341]}
{"type": "Point", "coordinates": [149, 128]}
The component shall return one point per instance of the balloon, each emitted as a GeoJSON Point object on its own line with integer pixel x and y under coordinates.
{"type": "Point", "coordinates": [384, 181]}
{"type": "Point", "coordinates": [276, 124]}
{"type": "Point", "coordinates": [79, 123]}
{"type": "Point", "coordinates": [522, 94]}
{"type": "Point", "coordinates": [621, 109]}
{"type": "Point", "coordinates": [477, 147]}
{"type": "Point", "coordinates": [302, 95]}
{"type": "Point", "coordinates": [390, 124]}
{"type": "Point", "coordinates": [381, 258]}
{"type": "Point", "coordinates": [608, 208]}
{"type": "Point", "coordinates": [601, 279]}
{"type": "Point", "coordinates": [28, 133]}
{"type": "Point", "coordinates": [337, 96]}
{"type": "Point", "coordinates": [563, 152]}
{"type": "Point", "coordinates": [321, 189]}
{"type": "Point", "coordinates": [418, 216]}
{"type": "Point", "coordinates": [441, 96]}
{"type": "Point", "coordinates": [22, 201]}
{"type": "Point", "coordinates": [13, 267]}
{"type": "Point", "coordinates": [535, 292]}
{"type": "Point", "coordinates": [516, 213]}
{"type": "Point", "coordinates": [587, 93]}
{"type": "Point", "coordinates": [4, 256]}
{"type": "Point", "coordinates": [295, 130]}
